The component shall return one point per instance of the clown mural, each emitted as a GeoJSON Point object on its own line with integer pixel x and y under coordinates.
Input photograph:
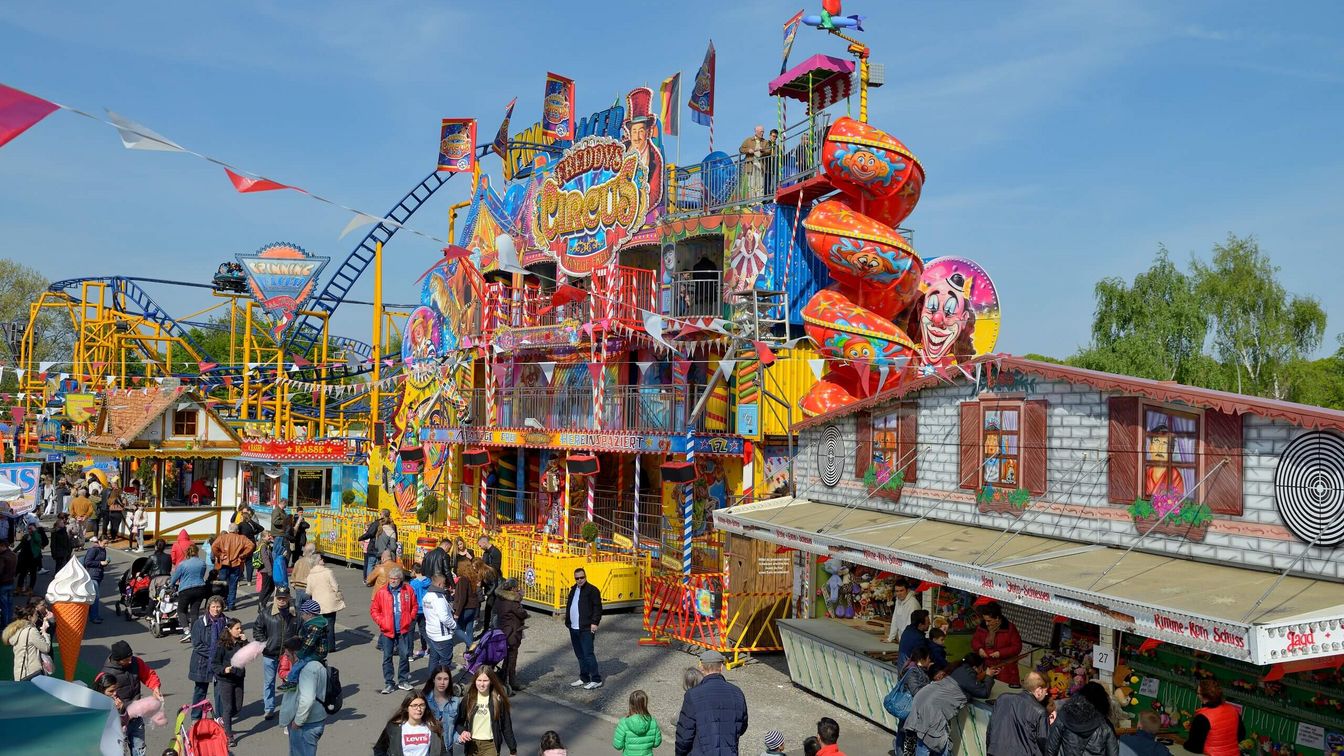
{"type": "Point", "coordinates": [958, 317]}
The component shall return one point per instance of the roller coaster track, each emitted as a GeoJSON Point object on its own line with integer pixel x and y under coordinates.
{"type": "Point", "coordinates": [126, 291]}
{"type": "Point", "coordinates": [307, 329]}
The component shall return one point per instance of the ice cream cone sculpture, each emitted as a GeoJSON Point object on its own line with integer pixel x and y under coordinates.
{"type": "Point", "coordinates": [71, 593]}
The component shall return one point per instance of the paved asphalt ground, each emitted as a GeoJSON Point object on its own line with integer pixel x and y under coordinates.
{"type": "Point", "coordinates": [584, 719]}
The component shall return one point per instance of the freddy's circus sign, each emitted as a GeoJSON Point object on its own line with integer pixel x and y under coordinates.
{"type": "Point", "coordinates": [594, 198]}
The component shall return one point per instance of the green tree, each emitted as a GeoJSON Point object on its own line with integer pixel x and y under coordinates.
{"type": "Point", "coordinates": [53, 334]}
{"type": "Point", "coordinates": [1319, 382]}
{"type": "Point", "coordinates": [1258, 328]}
{"type": "Point", "coordinates": [1154, 328]}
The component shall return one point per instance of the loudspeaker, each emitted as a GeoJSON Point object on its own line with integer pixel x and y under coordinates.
{"type": "Point", "coordinates": [678, 472]}
{"type": "Point", "coordinates": [582, 464]}
{"type": "Point", "coordinates": [380, 433]}
{"type": "Point", "coordinates": [475, 457]}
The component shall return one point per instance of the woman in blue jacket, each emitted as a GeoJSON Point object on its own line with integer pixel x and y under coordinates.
{"type": "Point", "coordinates": [188, 579]}
{"type": "Point", "coordinates": [95, 561]}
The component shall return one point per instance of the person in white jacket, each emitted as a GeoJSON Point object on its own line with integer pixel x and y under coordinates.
{"type": "Point", "coordinates": [137, 520]}
{"type": "Point", "coordinates": [906, 601]}
{"type": "Point", "coordinates": [439, 622]}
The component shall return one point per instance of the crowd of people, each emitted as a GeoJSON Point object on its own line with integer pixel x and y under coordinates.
{"type": "Point", "coordinates": [457, 596]}
{"type": "Point", "coordinates": [1023, 721]}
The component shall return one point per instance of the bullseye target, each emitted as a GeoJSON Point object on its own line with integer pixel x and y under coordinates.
{"type": "Point", "coordinates": [831, 456]}
{"type": "Point", "coordinates": [1309, 488]}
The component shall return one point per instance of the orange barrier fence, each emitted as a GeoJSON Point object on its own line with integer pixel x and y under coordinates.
{"type": "Point", "coordinates": [702, 613]}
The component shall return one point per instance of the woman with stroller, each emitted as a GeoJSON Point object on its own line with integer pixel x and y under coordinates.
{"type": "Point", "coordinates": [510, 618]}
{"type": "Point", "coordinates": [188, 579]}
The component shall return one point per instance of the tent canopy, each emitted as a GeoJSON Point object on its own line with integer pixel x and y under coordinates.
{"type": "Point", "coordinates": [49, 717]}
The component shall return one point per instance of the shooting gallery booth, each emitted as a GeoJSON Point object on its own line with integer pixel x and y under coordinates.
{"type": "Point", "coordinates": [1142, 533]}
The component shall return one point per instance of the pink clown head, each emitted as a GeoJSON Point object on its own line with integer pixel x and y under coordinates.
{"type": "Point", "coordinates": [946, 320]}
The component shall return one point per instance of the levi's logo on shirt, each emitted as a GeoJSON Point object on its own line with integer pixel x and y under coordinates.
{"type": "Point", "coordinates": [415, 739]}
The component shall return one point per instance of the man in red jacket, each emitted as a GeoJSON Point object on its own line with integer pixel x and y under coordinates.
{"type": "Point", "coordinates": [393, 609]}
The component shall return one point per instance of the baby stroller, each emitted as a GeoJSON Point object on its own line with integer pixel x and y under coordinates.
{"type": "Point", "coordinates": [163, 617]}
{"type": "Point", "coordinates": [133, 599]}
{"type": "Point", "coordinates": [203, 737]}
{"type": "Point", "coordinates": [489, 651]}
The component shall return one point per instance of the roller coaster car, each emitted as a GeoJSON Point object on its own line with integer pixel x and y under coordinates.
{"type": "Point", "coordinates": [230, 277]}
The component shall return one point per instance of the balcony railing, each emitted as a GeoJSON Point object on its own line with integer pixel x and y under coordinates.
{"type": "Point", "coordinates": [648, 408]}
{"type": "Point", "coordinates": [697, 293]}
{"type": "Point", "coordinates": [742, 180]}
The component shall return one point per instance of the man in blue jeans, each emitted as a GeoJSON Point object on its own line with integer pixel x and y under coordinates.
{"type": "Point", "coordinates": [275, 624]}
{"type": "Point", "coordinates": [582, 617]}
{"type": "Point", "coordinates": [230, 551]}
{"type": "Point", "coordinates": [393, 609]}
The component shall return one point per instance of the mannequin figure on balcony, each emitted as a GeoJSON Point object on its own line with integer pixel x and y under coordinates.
{"type": "Point", "coordinates": [551, 484]}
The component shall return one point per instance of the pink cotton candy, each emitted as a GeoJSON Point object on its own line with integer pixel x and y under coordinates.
{"type": "Point", "coordinates": [247, 654]}
{"type": "Point", "coordinates": [159, 719]}
{"type": "Point", "coordinates": [144, 707]}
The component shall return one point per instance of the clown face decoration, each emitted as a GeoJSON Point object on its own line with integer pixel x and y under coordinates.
{"type": "Point", "coordinates": [946, 320]}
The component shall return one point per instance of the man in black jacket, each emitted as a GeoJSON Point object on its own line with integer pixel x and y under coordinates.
{"type": "Point", "coordinates": [494, 559]}
{"type": "Point", "coordinates": [713, 713]}
{"type": "Point", "coordinates": [436, 561]}
{"type": "Point", "coordinates": [1018, 724]}
{"type": "Point", "coordinates": [582, 617]}
{"type": "Point", "coordinates": [275, 624]}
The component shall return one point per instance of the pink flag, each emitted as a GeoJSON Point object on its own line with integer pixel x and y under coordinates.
{"type": "Point", "coordinates": [19, 111]}
{"type": "Point", "coordinates": [244, 184]}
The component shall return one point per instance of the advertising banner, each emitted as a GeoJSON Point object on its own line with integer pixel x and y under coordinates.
{"type": "Point", "coordinates": [557, 108]}
{"type": "Point", "coordinates": [457, 145]}
{"type": "Point", "coordinates": [25, 475]}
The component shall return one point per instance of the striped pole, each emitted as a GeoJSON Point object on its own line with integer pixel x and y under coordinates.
{"type": "Point", "coordinates": [565, 521]}
{"type": "Point", "coordinates": [636, 507]}
{"type": "Point", "coordinates": [748, 472]}
{"type": "Point", "coordinates": [491, 395]}
{"type": "Point", "coordinates": [687, 511]}
{"type": "Point", "coordinates": [485, 506]}
{"type": "Point", "coordinates": [592, 495]}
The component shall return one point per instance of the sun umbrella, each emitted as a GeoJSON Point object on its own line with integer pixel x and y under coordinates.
{"type": "Point", "coordinates": [50, 717]}
{"type": "Point", "coordinates": [9, 490]}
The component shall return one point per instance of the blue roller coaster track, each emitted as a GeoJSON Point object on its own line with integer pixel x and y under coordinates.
{"type": "Point", "coordinates": [129, 297]}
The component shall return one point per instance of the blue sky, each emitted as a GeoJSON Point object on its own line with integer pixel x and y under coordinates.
{"type": "Point", "coordinates": [1063, 142]}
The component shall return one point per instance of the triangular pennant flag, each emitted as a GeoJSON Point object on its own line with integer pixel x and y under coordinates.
{"type": "Point", "coordinates": [111, 379]}
{"type": "Point", "coordinates": [818, 366]}
{"type": "Point", "coordinates": [245, 184]}
{"type": "Point", "coordinates": [764, 352]}
{"type": "Point", "coordinates": [43, 367]}
{"type": "Point", "coordinates": [564, 294]}
{"type": "Point", "coordinates": [595, 371]}
{"type": "Point", "coordinates": [19, 111]}
{"type": "Point", "coordinates": [653, 326]}
{"type": "Point", "coordinates": [882, 372]}
{"type": "Point", "coordinates": [726, 366]}
{"type": "Point", "coordinates": [863, 368]}
{"type": "Point", "coordinates": [62, 377]}
{"type": "Point", "coordinates": [18, 373]}
{"type": "Point", "coordinates": [135, 136]}
{"type": "Point", "coordinates": [360, 219]}
{"type": "Point", "coordinates": [99, 365]}
{"type": "Point", "coordinates": [643, 366]}
{"type": "Point", "coordinates": [299, 360]}
{"type": "Point", "coordinates": [548, 370]}
{"type": "Point", "coordinates": [294, 368]}
{"type": "Point", "coordinates": [507, 255]}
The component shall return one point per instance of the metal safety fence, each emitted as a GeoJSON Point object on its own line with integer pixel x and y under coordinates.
{"type": "Point", "coordinates": [701, 612]}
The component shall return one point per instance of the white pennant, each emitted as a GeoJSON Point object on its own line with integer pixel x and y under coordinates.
{"type": "Point", "coordinates": [43, 367]}
{"type": "Point", "coordinates": [643, 367]}
{"type": "Point", "coordinates": [653, 326]}
{"type": "Point", "coordinates": [360, 219]}
{"type": "Point", "coordinates": [817, 367]}
{"type": "Point", "coordinates": [111, 379]}
{"type": "Point", "coordinates": [548, 370]}
{"type": "Point", "coordinates": [726, 367]}
{"type": "Point", "coordinates": [18, 373]}
{"type": "Point", "coordinates": [135, 136]}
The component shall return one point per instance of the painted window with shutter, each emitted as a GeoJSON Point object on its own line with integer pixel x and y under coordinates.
{"type": "Point", "coordinates": [1122, 448]}
{"type": "Point", "coordinates": [1000, 456]}
{"type": "Point", "coordinates": [1170, 452]}
{"type": "Point", "coordinates": [1222, 462]}
{"type": "Point", "coordinates": [895, 435]}
{"type": "Point", "coordinates": [863, 443]}
{"type": "Point", "coordinates": [968, 467]}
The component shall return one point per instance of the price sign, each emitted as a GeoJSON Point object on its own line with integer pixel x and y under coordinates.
{"type": "Point", "coordinates": [1149, 687]}
{"type": "Point", "coordinates": [1103, 659]}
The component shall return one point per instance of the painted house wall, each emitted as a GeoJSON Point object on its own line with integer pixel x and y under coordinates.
{"type": "Point", "coordinates": [1075, 505]}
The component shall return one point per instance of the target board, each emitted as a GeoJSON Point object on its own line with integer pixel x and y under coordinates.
{"type": "Point", "coordinates": [831, 456]}
{"type": "Point", "coordinates": [1309, 488]}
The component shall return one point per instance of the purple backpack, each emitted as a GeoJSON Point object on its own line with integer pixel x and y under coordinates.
{"type": "Point", "coordinates": [491, 650]}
